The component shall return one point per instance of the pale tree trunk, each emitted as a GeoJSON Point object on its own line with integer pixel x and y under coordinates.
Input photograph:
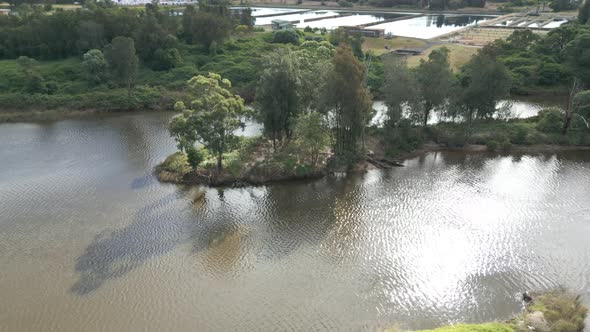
{"type": "Point", "coordinates": [220, 154]}
{"type": "Point", "coordinates": [569, 112]}
{"type": "Point", "coordinates": [219, 161]}
{"type": "Point", "coordinates": [427, 109]}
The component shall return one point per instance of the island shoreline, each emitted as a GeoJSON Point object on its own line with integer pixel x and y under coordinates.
{"type": "Point", "coordinates": [197, 179]}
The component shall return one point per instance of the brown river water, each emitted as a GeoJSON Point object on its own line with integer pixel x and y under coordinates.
{"type": "Point", "coordinates": [90, 241]}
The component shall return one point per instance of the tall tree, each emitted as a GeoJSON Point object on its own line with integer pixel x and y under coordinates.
{"type": "Point", "coordinates": [122, 61]}
{"type": "Point", "coordinates": [94, 65]}
{"type": "Point", "coordinates": [278, 94]}
{"type": "Point", "coordinates": [311, 135]}
{"type": "Point", "coordinates": [578, 62]}
{"type": "Point", "coordinates": [582, 106]}
{"type": "Point", "coordinates": [246, 18]}
{"type": "Point", "coordinates": [349, 102]}
{"type": "Point", "coordinates": [212, 117]}
{"type": "Point", "coordinates": [482, 83]}
{"type": "Point", "coordinates": [434, 80]}
{"type": "Point", "coordinates": [151, 37]}
{"type": "Point", "coordinates": [400, 90]}
{"type": "Point", "coordinates": [91, 35]}
{"type": "Point", "coordinates": [314, 62]}
{"type": "Point", "coordinates": [355, 40]}
{"type": "Point", "coordinates": [584, 12]}
{"type": "Point", "coordinates": [34, 82]}
{"type": "Point", "coordinates": [207, 28]}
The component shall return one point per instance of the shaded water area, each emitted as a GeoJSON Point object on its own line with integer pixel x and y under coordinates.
{"type": "Point", "coordinates": [89, 240]}
{"type": "Point", "coordinates": [521, 108]}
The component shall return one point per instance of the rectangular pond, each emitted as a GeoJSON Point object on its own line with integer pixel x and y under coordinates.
{"type": "Point", "coordinates": [350, 19]}
{"type": "Point", "coordinates": [332, 19]}
{"type": "Point", "coordinates": [430, 26]}
{"type": "Point", "coordinates": [262, 11]}
{"type": "Point", "coordinates": [297, 17]}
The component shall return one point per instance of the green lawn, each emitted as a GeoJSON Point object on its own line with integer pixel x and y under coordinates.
{"type": "Point", "coordinates": [377, 45]}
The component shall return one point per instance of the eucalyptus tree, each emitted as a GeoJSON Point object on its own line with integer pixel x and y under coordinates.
{"type": "Point", "coordinates": [94, 65]}
{"type": "Point", "coordinates": [400, 90]}
{"type": "Point", "coordinates": [311, 135]}
{"type": "Point", "coordinates": [435, 80]}
{"type": "Point", "coordinates": [211, 118]}
{"type": "Point", "coordinates": [122, 61]}
{"type": "Point", "coordinates": [278, 95]}
{"type": "Point", "coordinates": [581, 103]}
{"type": "Point", "coordinates": [578, 62]}
{"type": "Point", "coordinates": [349, 102]}
{"type": "Point", "coordinates": [584, 12]}
{"type": "Point", "coordinates": [314, 63]}
{"type": "Point", "coordinates": [482, 83]}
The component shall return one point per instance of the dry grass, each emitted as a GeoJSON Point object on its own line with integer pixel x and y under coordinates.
{"type": "Point", "coordinates": [377, 45]}
{"type": "Point", "coordinates": [67, 7]}
{"type": "Point", "coordinates": [460, 55]}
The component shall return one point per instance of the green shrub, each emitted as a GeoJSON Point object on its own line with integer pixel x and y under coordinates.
{"type": "Point", "coordinates": [519, 135]}
{"type": "Point", "coordinates": [492, 145]}
{"type": "Point", "coordinates": [165, 59]}
{"type": "Point", "coordinates": [195, 157]}
{"type": "Point", "coordinates": [176, 163]}
{"type": "Point", "coordinates": [535, 137]}
{"type": "Point", "coordinates": [456, 140]}
{"type": "Point", "coordinates": [550, 73]}
{"type": "Point", "coordinates": [550, 120]}
{"type": "Point", "coordinates": [241, 29]}
{"type": "Point", "coordinates": [285, 37]}
{"type": "Point", "coordinates": [301, 170]}
{"type": "Point", "coordinates": [564, 326]}
{"type": "Point", "coordinates": [506, 145]}
{"type": "Point", "coordinates": [233, 164]}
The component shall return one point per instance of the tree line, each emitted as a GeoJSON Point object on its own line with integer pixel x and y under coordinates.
{"type": "Point", "coordinates": [324, 87]}
{"type": "Point", "coordinates": [155, 31]}
{"type": "Point", "coordinates": [558, 59]}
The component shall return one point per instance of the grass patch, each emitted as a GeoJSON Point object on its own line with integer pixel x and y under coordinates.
{"type": "Point", "coordinates": [460, 55]}
{"type": "Point", "coordinates": [175, 163]}
{"type": "Point", "coordinates": [67, 6]}
{"type": "Point", "coordinates": [377, 45]}
{"type": "Point", "coordinates": [556, 310]}
{"type": "Point", "coordinates": [553, 311]}
{"type": "Point", "coordinates": [488, 327]}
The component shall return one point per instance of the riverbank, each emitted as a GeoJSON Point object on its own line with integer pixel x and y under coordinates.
{"type": "Point", "coordinates": [254, 162]}
{"type": "Point", "coordinates": [263, 167]}
{"type": "Point", "coordinates": [553, 311]}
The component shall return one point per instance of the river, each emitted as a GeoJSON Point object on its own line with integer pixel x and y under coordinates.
{"type": "Point", "coordinates": [90, 241]}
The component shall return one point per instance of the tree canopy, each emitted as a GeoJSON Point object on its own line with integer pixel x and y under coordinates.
{"type": "Point", "coordinates": [434, 79]}
{"type": "Point", "coordinates": [122, 61]}
{"type": "Point", "coordinates": [349, 102]}
{"type": "Point", "coordinates": [278, 94]}
{"type": "Point", "coordinates": [211, 118]}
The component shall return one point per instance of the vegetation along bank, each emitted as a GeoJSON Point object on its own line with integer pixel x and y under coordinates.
{"type": "Point", "coordinates": [553, 311]}
{"type": "Point", "coordinates": [315, 99]}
